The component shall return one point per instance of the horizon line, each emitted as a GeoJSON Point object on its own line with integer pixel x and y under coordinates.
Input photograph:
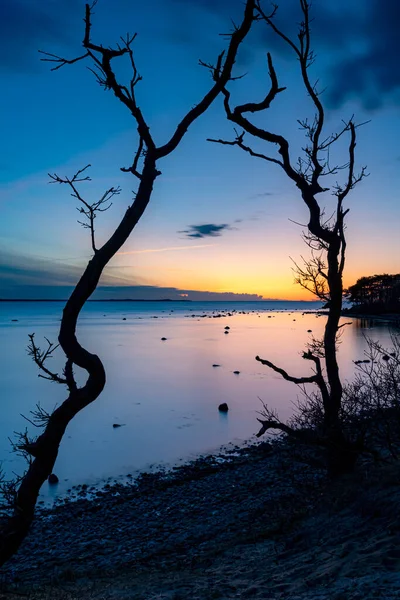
{"type": "Point", "coordinates": [148, 300]}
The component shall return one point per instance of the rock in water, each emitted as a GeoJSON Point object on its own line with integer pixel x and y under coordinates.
{"type": "Point", "coordinates": [52, 479]}
{"type": "Point", "coordinates": [223, 407]}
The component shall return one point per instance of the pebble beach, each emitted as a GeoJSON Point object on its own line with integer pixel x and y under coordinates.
{"type": "Point", "coordinates": [262, 522]}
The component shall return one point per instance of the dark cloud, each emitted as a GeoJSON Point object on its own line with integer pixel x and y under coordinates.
{"type": "Point", "coordinates": [261, 195]}
{"type": "Point", "coordinates": [225, 8]}
{"type": "Point", "coordinates": [362, 44]}
{"type": "Point", "coordinates": [359, 38]}
{"type": "Point", "coordinates": [139, 292]}
{"type": "Point", "coordinates": [148, 292]}
{"type": "Point", "coordinates": [25, 277]}
{"type": "Point", "coordinates": [360, 41]}
{"type": "Point", "coordinates": [28, 25]}
{"type": "Point", "coordinates": [207, 230]}
{"type": "Point", "coordinates": [18, 270]}
{"type": "Point", "coordinates": [372, 75]}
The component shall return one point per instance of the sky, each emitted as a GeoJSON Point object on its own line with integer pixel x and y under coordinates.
{"type": "Point", "coordinates": [220, 224]}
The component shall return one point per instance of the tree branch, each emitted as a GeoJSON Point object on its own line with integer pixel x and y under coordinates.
{"type": "Point", "coordinates": [134, 168]}
{"type": "Point", "coordinates": [221, 75]}
{"type": "Point", "coordinates": [296, 380]}
{"type": "Point", "coordinates": [89, 210]}
{"type": "Point", "coordinates": [274, 90]}
{"type": "Point", "coordinates": [41, 356]}
{"type": "Point", "coordinates": [239, 142]}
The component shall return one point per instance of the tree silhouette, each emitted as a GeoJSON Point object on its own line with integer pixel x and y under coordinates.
{"type": "Point", "coordinates": [41, 452]}
{"type": "Point", "coordinates": [323, 273]}
{"type": "Point", "coordinates": [375, 294]}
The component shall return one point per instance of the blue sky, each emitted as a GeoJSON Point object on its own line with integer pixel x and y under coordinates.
{"type": "Point", "coordinates": [218, 220]}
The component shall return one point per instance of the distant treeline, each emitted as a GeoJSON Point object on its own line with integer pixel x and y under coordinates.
{"type": "Point", "coordinates": [375, 294]}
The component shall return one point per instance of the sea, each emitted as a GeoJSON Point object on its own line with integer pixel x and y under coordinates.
{"type": "Point", "coordinates": [163, 393]}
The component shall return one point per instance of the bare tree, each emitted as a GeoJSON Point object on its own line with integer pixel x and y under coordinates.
{"type": "Point", "coordinates": [323, 274]}
{"type": "Point", "coordinates": [41, 453]}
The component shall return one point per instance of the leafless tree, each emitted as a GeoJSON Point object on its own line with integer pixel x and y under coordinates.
{"type": "Point", "coordinates": [370, 407]}
{"type": "Point", "coordinates": [42, 451]}
{"type": "Point", "coordinates": [323, 274]}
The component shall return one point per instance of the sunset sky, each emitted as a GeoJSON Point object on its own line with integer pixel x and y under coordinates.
{"type": "Point", "coordinates": [219, 221]}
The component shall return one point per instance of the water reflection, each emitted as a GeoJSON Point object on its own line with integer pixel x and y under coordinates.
{"type": "Point", "coordinates": [355, 340]}
{"type": "Point", "coordinates": [167, 392]}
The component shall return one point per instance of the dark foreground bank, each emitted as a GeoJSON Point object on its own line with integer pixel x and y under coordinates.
{"type": "Point", "coordinates": [263, 523]}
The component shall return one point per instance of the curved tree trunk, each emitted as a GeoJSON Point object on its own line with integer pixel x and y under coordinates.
{"type": "Point", "coordinates": [45, 450]}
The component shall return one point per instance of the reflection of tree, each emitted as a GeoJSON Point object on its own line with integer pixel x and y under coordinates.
{"type": "Point", "coordinates": [377, 293]}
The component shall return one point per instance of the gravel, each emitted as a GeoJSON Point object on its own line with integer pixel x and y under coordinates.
{"type": "Point", "coordinates": [181, 515]}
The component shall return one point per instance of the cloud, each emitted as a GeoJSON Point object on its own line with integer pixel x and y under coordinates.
{"type": "Point", "coordinates": [16, 270]}
{"type": "Point", "coordinates": [207, 230]}
{"type": "Point", "coordinates": [27, 277]}
{"type": "Point", "coordinates": [362, 42]}
{"type": "Point", "coordinates": [361, 39]}
{"type": "Point", "coordinates": [19, 272]}
{"type": "Point", "coordinates": [225, 8]}
{"type": "Point", "coordinates": [28, 25]}
{"type": "Point", "coordinates": [261, 195]}
{"type": "Point", "coordinates": [169, 249]}
{"type": "Point", "coordinates": [148, 292]}
{"type": "Point", "coordinates": [111, 292]}
{"type": "Point", "coordinates": [372, 75]}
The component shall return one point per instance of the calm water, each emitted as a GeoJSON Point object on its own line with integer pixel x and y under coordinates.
{"type": "Point", "coordinates": [165, 393]}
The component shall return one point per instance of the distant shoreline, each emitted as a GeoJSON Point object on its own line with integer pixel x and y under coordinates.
{"type": "Point", "coordinates": [183, 300]}
{"type": "Point", "coordinates": [389, 317]}
{"type": "Point", "coordinates": [94, 300]}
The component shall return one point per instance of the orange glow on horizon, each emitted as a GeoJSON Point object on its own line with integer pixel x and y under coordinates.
{"type": "Point", "coordinates": [218, 269]}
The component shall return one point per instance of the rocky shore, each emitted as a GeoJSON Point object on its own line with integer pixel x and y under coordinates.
{"type": "Point", "coordinates": [259, 522]}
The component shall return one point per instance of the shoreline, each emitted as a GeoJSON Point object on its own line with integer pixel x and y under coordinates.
{"type": "Point", "coordinates": [384, 318]}
{"type": "Point", "coordinates": [210, 481]}
{"type": "Point", "coordinates": [192, 424]}
{"type": "Point", "coordinates": [258, 521]}
{"type": "Point", "coordinates": [263, 523]}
